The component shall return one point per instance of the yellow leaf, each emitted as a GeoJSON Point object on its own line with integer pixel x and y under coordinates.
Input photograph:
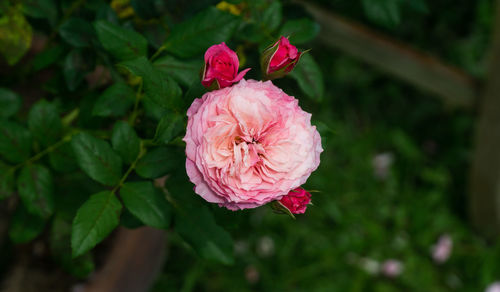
{"type": "Point", "coordinates": [15, 35]}
{"type": "Point", "coordinates": [231, 8]}
{"type": "Point", "coordinates": [122, 8]}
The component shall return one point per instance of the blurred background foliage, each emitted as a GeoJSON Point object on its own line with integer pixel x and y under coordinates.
{"type": "Point", "coordinates": [392, 179]}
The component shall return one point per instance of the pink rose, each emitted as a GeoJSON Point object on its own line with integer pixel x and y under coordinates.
{"type": "Point", "coordinates": [249, 144]}
{"type": "Point", "coordinates": [279, 59]}
{"type": "Point", "coordinates": [221, 66]}
{"type": "Point", "coordinates": [296, 201]}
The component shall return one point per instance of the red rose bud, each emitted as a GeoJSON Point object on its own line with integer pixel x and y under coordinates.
{"type": "Point", "coordinates": [279, 59]}
{"type": "Point", "coordinates": [221, 67]}
{"type": "Point", "coordinates": [296, 201]}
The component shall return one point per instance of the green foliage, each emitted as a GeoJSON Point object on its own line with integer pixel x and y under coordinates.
{"type": "Point", "coordinates": [96, 158]}
{"type": "Point", "coordinates": [309, 77]}
{"type": "Point", "coordinates": [160, 161]}
{"type": "Point", "coordinates": [125, 141]}
{"type": "Point", "coordinates": [44, 123]}
{"type": "Point", "coordinates": [147, 203]}
{"type": "Point", "coordinates": [169, 127]}
{"type": "Point", "coordinates": [77, 32]}
{"type": "Point", "coordinates": [196, 225]}
{"type": "Point", "coordinates": [25, 226]}
{"type": "Point", "coordinates": [185, 72]}
{"type": "Point", "coordinates": [195, 35]}
{"type": "Point", "coordinates": [41, 9]}
{"type": "Point", "coordinates": [122, 43]}
{"type": "Point", "coordinates": [36, 190]}
{"type": "Point", "coordinates": [161, 90]}
{"type": "Point", "coordinates": [6, 181]}
{"type": "Point", "coordinates": [115, 101]}
{"type": "Point", "coordinates": [74, 69]}
{"type": "Point", "coordinates": [15, 142]}
{"type": "Point", "coordinates": [60, 247]}
{"type": "Point", "coordinates": [15, 35]}
{"type": "Point", "coordinates": [97, 217]}
{"type": "Point", "coordinates": [300, 31]}
{"type": "Point", "coordinates": [10, 103]}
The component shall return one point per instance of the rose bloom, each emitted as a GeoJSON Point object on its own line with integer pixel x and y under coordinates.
{"type": "Point", "coordinates": [249, 144]}
{"type": "Point", "coordinates": [221, 67]}
{"type": "Point", "coordinates": [280, 58]}
{"type": "Point", "coordinates": [296, 201]}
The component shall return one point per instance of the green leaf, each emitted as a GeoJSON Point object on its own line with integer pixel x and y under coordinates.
{"type": "Point", "coordinates": [48, 57]}
{"type": "Point", "coordinates": [300, 31]}
{"type": "Point", "coordinates": [98, 216]}
{"type": "Point", "coordinates": [15, 35]}
{"type": "Point", "coordinates": [10, 103]}
{"type": "Point", "coordinates": [129, 221]}
{"type": "Point", "coordinates": [74, 69]}
{"type": "Point", "coordinates": [383, 12]}
{"type": "Point", "coordinates": [77, 32]}
{"type": "Point", "coordinates": [183, 71]}
{"type": "Point", "coordinates": [15, 142]}
{"type": "Point", "coordinates": [125, 141]}
{"type": "Point", "coordinates": [122, 43]}
{"type": "Point", "coordinates": [96, 158]}
{"type": "Point", "coordinates": [169, 127]}
{"type": "Point", "coordinates": [60, 247]}
{"type": "Point", "coordinates": [271, 17]}
{"type": "Point", "coordinates": [160, 161]}
{"type": "Point", "coordinates": [36, 189]}
{"type": "Point", "coordinates": [24, 226]}
{"type": "Point", "coordinates": [44, 123]}
{"type": "Point", "coordinates": [63, 159]}
{"type": "Point", "coordinates": [194, 36]}
{"type": "Point", "coordinates": [309, 77]}
{"type": "Point", "coordinates": [159, 88]}
{"type": "Point", "coordinates": [6, 181]}
{"type": "Point", "coordinates": [115, 101]}
{"type": "Point", "coordinates": [41, 9]}
{"type": "Point", "coordinates": [147, 203]}
{"type": "Point", "coordinates": [195, 223]}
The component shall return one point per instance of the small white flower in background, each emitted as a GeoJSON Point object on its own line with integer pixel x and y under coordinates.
{"type": "Point", "coordinates": [441, 251]}
{"type": "Point", "coordinates": [370, 266]}
{"type": "Point", "coordinates": [493, 287]}
{"type": "Point", "coordinates": [381, 164]}
{"type": "Point", "coordinates": [392, 268]}
{"type": "Point", "coordinates": [265, 246]}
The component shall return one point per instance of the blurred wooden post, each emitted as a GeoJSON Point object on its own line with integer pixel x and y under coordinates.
{"type": "Point", "coordinates": [133, 263]}
{"type": "Point", "coordinates": [447, 82]}
{"type": "Point", "coordinates": [485, 174]}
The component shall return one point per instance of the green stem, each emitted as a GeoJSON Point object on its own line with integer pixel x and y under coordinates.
{"type": "Point", "coordinates": [135, 111]}
{"type": "Point", "coordinates": [70, 117]}
{"type": "Point", "coordinates": [142, 152]}
{"type": "Point", "coordinates": [157, 53]}
{"type": "Point", "coordinates": [42, 153]}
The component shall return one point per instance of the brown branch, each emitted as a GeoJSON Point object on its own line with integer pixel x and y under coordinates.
{"type": "Point", "coordinates": [453, 85]}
